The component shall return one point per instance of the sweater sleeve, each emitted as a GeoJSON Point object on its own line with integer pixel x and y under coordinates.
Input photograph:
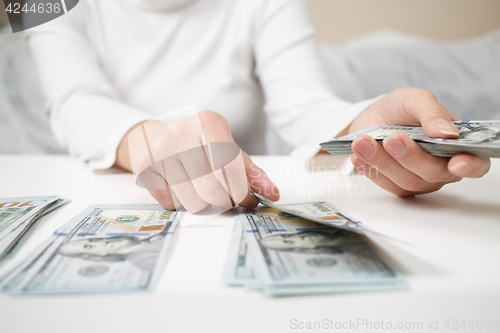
{"type": "Point", "coordinates": [299, 104]}
{"type": "Point", "coordinates": [86, 113]}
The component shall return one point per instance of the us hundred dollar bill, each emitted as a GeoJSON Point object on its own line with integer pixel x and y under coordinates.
{"type": "Point", "coordinates": [240, 269]}
{"type": "Point", "coordinates": [292, 255]}
{"type": "Point", "coordinates": [480, 138]}
{"type": "Point", "coordinates": [104, 249]}
{"type": "Point", "coordinates": [18, 214]}
{"type": "Point", "coordinates": [319, 212]}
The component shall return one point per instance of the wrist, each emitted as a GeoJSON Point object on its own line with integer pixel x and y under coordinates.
{"type": "Point", "coordinates": [367, 118]}
{"type": "Point", "coordinates": [122, 153]}
{"type": "Point", "coordinates": [146, 133]}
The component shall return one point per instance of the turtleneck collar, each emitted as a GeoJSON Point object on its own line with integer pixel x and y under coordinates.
{"type": "Point", "coordinates": [163, 5]}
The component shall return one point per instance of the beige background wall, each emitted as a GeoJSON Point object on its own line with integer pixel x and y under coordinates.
{"type": "Point", "coordinates": [3, 15]}
{"type": "Point", "coordinates": [339, 20]}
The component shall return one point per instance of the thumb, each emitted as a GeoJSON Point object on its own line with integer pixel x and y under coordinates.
{"type": "Point", "coordinates": [435, 119]}
{"type": "Point", "coordinates": [259, 181]}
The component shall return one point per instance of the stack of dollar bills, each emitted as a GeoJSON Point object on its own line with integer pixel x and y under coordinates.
{"type": "Point", "coordinates": [304, 248]}
{"type": "Point", "coordinates": [479, 138]}
{"type": "Point", "coordinates": [17, 215]}
{"type": "Point", "coordinates": [104, 249]}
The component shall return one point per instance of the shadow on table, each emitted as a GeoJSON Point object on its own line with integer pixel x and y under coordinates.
{"type": "Point", "coordinates": [112, 170]}
{"type": "Point", "coordinates": [407, 263]}
{"type": "Point", "coordinates": [460, 205]}
{"type": "Point", "coordinates": [402, 260]}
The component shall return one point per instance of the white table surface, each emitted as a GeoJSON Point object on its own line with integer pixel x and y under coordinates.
{"type": "Point", "coordinates": [451, 261]}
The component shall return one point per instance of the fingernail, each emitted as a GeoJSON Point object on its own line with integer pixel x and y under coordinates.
{"type": "Point", "coordinates": [395, 145]}
{"type": "Point", "coordinates": [446, 127]}
{"type": "Point", "coordinates": [358, 162]}
{"type": "Point", "coordinates": [277, 190]}
{"type": "Point", "coordinates": [461, 168]}
{"type": "Point", "coordinates": [365, 148]}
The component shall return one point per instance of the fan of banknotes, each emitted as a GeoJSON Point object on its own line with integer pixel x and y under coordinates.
{"type": "Point", "coordinates": [18, 215]}
{"type": "Point", "coordinates": [278, 249]}
{"type": "Point", "coordinates": [104, 249]}
{"type": "Point", "coordinates": [304, 248]}
{"type": "Point", "coordinates": [479, 138]}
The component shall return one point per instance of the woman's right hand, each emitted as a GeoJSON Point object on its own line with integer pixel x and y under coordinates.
{"type": "Point", "coordinates": [192, 163]}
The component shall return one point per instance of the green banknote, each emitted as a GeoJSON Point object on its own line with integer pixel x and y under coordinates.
{"type": "Point", "coordinates": [293, 255]}
{"type": "Point", "coordinates": [104, 249]}
{"type": "Point", "coordinates": [23, 238]}
{"type": "Point", "coordinates": [477, 137]}
{"type": "Point", "coordinates": [319, 212]}
{"type": "Point", "coordinates": [18, 214]}
{"type": "Point", "coordinates": [240, 269]}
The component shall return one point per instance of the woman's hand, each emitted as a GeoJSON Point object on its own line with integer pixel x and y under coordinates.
{"type": "Point", "coordinates": [400, 166]}
{"type": "Point", "coordinates": [193, 162]}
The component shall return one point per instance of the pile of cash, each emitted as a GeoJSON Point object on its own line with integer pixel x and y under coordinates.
{"type": "Point", "coordinates": [104, 249]}
{"type": "Point", "coordinates": [18, 215]}
{"type": "Point", "coordinates": [304, 248]}
{"type": "Point", "coordinates": [290, 249]}
{"type": "Point", "coordinates": [479, 138]}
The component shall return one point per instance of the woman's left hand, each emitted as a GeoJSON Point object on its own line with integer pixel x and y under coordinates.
{"type": "Point", "coordinates": [400, 166]}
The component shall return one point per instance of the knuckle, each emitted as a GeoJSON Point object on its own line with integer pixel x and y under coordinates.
{"type": "Point", "coordinates": [413, 184]}
{"type": "Point", "coordinates": [413, 158]}
{"type": "Point", "coordinates": [177, 129]}
{"type": "Point", "coordinates": [413, 96]}
{"type": "Point", "coordinates": [437, 177]}
{"type": "Point", "coordinates": [208, 115]}
{"type": "Point", "coordinates": [369, 172]}
{"type": "Point", "coordinates": [235, 167]}
{"type": "Point", "coordinates": [209, 190]}
{"type": "Point", "coordinates": [425, 93]}
{"type": "Point", "coordinates": [141, 161]}
{"type": "Point", "coordinates": [212, 120]}
{"type": "Point", "coordinates": [413, 92]}
{"type": "Point", "coordinates": [382, 164]}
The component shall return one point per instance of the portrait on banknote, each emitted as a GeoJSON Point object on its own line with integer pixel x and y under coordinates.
{"type": "Point", "coordinates": [142, 253]}
{"type": "Point", "coordinates": [479, 135]}
{"type": "Point", "coordinates": [330, 241]}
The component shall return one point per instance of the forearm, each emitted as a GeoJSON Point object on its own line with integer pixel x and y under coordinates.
{"type": "Point", "coordinates": [123, 153]}
{"type": "Point", "coordinates": [87, 114]}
